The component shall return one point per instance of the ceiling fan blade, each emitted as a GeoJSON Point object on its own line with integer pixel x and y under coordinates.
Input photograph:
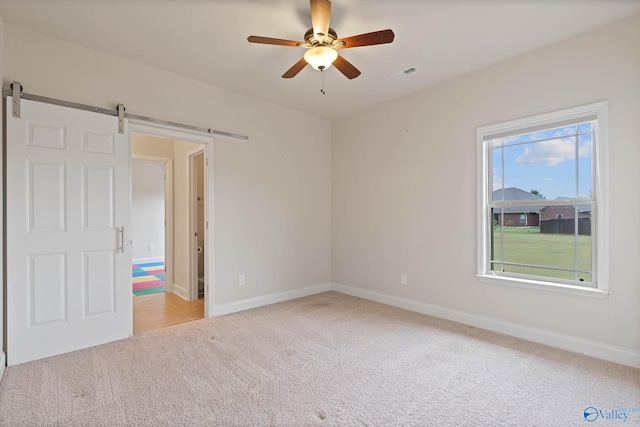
{"type": "Point", "coordinates": [320, 17]}
{"type": "Point", "coordinates": [293, 71]}
{"type": "Point", "coordinates": [368, 39]}
{"type": "Point", "coordinates": [270, 40]}
{"type": "Point", "coordinates": [346, 68]}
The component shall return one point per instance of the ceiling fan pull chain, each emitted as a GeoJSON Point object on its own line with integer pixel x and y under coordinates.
{"type": "Point", "coordinates": [322, 82]}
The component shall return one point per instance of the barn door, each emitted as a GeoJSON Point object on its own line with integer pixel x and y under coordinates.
{"type": "Point", "coordinates": [68, 252]}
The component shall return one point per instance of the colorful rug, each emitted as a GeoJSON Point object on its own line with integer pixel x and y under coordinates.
{"type": "Point", "coordinates": [148, 278]}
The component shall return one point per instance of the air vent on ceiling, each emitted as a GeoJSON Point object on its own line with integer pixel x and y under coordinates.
{"type": "Point", "coordinates": [402, 74]}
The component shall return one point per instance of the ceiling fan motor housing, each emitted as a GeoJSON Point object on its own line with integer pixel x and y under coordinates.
{"type": "Point", "coordinates": [310, 39]}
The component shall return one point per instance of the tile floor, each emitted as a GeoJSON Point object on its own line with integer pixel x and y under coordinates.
{"type": "Point", "coordinates": [163, 309]}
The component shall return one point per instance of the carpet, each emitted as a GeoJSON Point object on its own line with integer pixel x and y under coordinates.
{"type": "Point", "coordinates": [325, 360]}
{"type": "Point", "coordinates": [148, 278]}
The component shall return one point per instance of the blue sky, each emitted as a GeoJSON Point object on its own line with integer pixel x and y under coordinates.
{"type": "Point", "coordinates": [546, 161]}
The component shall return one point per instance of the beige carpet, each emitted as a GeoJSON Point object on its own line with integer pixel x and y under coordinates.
{"type": "Point", "coordinates": [329, 359]}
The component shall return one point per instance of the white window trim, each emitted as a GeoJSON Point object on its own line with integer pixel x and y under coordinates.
{"type": "Point", "coordinates": [600, 155]}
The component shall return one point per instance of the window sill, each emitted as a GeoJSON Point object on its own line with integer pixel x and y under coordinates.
{"type": "Point", "coordinates": [543, 286]}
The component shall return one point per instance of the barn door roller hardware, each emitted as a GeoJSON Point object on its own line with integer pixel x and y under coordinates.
{"type": "Point", "coordinates": [15, 90]}
{"type": "Point", "coordinates": [120, 108]}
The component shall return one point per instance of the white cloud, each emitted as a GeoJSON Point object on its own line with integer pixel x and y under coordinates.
{"type": "Point", "coordinates": [584, 150]}
{"type": "Point", "coordinates": [553, 152]}
{"type": "Point", "coordinates": [497, 180]}
{"type": "Point", "coordinates": [550, 179]}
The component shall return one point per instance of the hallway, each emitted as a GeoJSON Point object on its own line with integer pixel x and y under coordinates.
{"type": "Point", "coordinates": [156, 311]}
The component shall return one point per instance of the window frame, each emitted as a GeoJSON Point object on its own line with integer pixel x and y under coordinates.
{"type": "Point", "coordinates": [600, 242]}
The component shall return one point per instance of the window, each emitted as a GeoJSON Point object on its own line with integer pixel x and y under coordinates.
{"type": "Point", "coordinates": [541, 201]}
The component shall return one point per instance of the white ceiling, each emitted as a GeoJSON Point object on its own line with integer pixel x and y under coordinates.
{"type": "Point", "coordinates": [207, 40]}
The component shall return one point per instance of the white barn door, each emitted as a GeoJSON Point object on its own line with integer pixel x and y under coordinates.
{"type": "Point", "coordinates": [68, 251]}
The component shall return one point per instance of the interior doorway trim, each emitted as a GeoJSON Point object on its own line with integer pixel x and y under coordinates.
{"type": "Point", "coordinates": [193, 220]}
{"type": "Point", "coordinates": [207, 139]}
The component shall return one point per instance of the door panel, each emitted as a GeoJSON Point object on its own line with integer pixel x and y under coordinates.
{"type": "Point", "coordinates": [68, 208]}
{"type": "Point", "coordinates": [47, 289]}
{"type": "Point", "coordinates": [46, 196]}
{"type": "Point", "coordinates": [99, 282]}
{"type": "Point", "coordinates": [98, 197]}
{"type": "Point", "coordinates": [46, 136]}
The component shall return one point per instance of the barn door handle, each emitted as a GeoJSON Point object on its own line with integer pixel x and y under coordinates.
{"type": "Point", "coordinates": [120, 231]}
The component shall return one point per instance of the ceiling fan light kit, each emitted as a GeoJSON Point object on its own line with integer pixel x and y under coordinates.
{"type": "Point", "coordinates": [320, 57]}
{"type": "Point", "coordinates": [323, 44]}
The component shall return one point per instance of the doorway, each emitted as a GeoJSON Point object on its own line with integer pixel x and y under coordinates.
{"type": "Point", "coordinates": [186, 171]}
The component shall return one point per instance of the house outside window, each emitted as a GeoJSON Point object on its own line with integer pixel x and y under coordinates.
{"type": "Point", "coordinates": [559, 240]}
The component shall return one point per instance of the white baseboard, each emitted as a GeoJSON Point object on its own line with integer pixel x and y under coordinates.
{"type": "Point", "coordinates": [146, 260]}
{"type": "Point", "coordinates": [246, 304]}
{"type": "Point", "coordinates": [608, 352]}
{"type": "Point", "coordinates": [3, 363]}
{"type": "Point", "coordinates": [181, 291]}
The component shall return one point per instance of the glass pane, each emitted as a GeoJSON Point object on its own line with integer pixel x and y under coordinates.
{"type": "Point", "coordinates": [584, 243]}
{"type": "Point", "coordinates": [496, 160]}
{"type": "Point", "coordinates": [565, 131]}
{"type": "Point", "coordinates": [585, 166]}
{"type": "Point", "coordinates": [585, 128]}
{"type": "Point", "coordinates": [546, 168]}
{"type": "Point", "coordinates": [545, 245]}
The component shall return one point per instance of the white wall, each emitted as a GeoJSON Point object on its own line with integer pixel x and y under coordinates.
{"type": "Point", "coordinates": [272, 215]}
{"type": "Point", "coordinates": [147, 210]}
{"type": "Point", "coordinates": [404, 193]}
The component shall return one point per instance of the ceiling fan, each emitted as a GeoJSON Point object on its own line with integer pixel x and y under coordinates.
{"type": "Point", "coordinates": [323, 43]}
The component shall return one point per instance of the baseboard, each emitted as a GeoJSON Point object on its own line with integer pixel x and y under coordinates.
{"type": "Point", "coordinates": [3, 363]}
{"type": "Point", "coordinates": [146, 260]}
{"type": "Point", "coordinates": [246, 304]}
{"type": "Point", "coordinates": [611, 353]}
{"type": "Point", "coordinates": [180, 291]}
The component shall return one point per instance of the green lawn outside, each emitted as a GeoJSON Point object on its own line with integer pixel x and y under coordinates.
{"type": "Point", "coordinates": [527, 245]}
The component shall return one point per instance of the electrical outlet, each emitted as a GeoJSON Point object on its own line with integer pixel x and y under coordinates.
{"type": "Point", "coordinates": [241, 280]}
{"type": "Point", "coordinates": [149, 247]}
{"type": "Point", "coordinates": [403, 279]}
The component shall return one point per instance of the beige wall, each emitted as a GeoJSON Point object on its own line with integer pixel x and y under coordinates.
{"type": "Point", "coordinates": [272, 215]}
{"type": "Point", "coordinates": [181, 202]}
{"type": "Point", "coordinates": [404, 189]}
{"type": "Point", "coordinates": [151, 146]}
